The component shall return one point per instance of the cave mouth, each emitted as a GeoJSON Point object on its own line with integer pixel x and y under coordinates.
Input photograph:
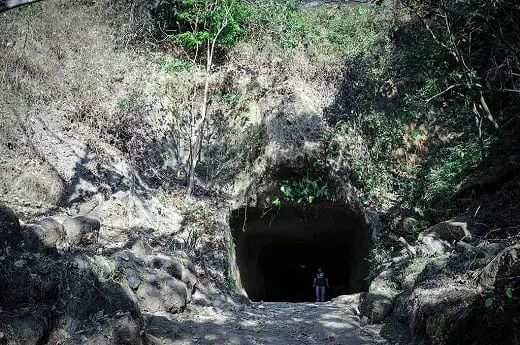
{"type": "Point", "coordinates": [278, 252]}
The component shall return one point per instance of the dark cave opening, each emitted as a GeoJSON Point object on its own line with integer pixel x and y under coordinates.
{"type": "Point", "coordinates": [279, 252]}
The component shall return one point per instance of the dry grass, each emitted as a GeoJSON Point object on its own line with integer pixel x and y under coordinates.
{"type": "Point", "coordinates": [69, 79]}
{"type": "Point", "coordinates": [34, 185]}
{"type": "Point", "coordinates": [63, 78]}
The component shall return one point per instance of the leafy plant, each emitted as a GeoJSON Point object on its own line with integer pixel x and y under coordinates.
{"type": "Point", "coordinates": [196, 23]}
{"type": "Point", "coordinates": [306, 190]}
{"type": "Point", "coordinates": [231, 98]}
{"type": "Point", "coordinates": [344, 29]}
{"type": "Point", "coordinates": [449, 169]}
{"type": "Point", "coordinates": [34, 9]}
{"type": "Point", "coordinates": [173, 64]}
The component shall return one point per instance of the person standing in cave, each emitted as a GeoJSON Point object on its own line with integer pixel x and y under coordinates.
{"type": "Point", "coordinates": [320, 282]}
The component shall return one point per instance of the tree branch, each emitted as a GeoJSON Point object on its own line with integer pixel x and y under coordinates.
{"type": "Point", "coordinates": [442, 92]}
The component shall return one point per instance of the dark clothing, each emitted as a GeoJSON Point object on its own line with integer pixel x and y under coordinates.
{"type": "Point", "coordinates": [321, 279]}
{"type": "Point", "coordinates": [320, 293]}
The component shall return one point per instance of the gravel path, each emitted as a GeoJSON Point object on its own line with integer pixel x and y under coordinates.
{"type": "Point", "coordinates": [274, 323]}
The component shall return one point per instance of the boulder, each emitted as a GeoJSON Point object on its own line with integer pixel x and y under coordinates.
{"type": "Point", "coordinates": [127, 332]}
{"type": "Point", "coordinates": [487, 251]}
{"type": "Point", "coordinates": [506, 263]}
{"type": "Point", "coordinates": [9, 226]}
{"type": "Point", "coordinates": [103, 267]}
{"type": "Point", "coordinates": [44, 236]}
{"type": "Point", "coordinates": [161, 292]}
{"type": "Point", "coordinates": [432, 245]}
{"type": "Point", "coordinates": [81, 230]}
{"type": "Point", "coordinates": [141, 249]}
{"type": "Point", "coordinates": [436, 316]}
{"type": "Point", "coordinates": [451, 230]}
{"type": "Point", "coordinates": [149, 298]}
{"type": "Point", "coordinates": [24, 328]}
{"type": "Point", "coordinates": [176, 267]}
{"type": "Point", "coordinates": [31, 239]}
{"type": "Point", "coordinates": [378, 302]}
{"type": "Point", "coordinates": [175, 296]}
{"type": "Point", "coordinates": [133, 278]}
{"type": "Point", "coordinates": [54, 233]}
{"type": "Point", "coordinates": [376, 307]}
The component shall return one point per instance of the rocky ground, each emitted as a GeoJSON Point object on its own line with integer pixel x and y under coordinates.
{"type": "Point", "coordinates": [83, 280]}
{"type": "Point", "coordinates": [68, 280]}
{"type": "Point", "coordinates": [277, 323]}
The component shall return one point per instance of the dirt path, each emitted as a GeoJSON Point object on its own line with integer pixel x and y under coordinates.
{"type": "Point", "coordinates": [275, 323]}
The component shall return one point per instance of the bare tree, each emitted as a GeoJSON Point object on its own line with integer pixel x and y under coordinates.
{"type": "Point", "coordinates": [201, 28]}
{"type": "Point", "coordinates": [198, 133]}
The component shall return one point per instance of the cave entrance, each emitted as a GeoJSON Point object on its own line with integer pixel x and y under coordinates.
{"type": "Point", "coordinates": [279, 252]}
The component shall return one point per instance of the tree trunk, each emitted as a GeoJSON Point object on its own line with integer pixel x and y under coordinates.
{"type": "Point", "coordinates": [199, 128]}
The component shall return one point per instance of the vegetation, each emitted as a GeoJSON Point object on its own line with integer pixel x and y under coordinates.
{"type": "Point", "coordinates": [422, 95]}
{"type": "Point", "coordinates": [196, 24]}
{"type": "Point", "coordinates": [400, 105]}
{"type": "Point", "coordinates": [424, 91]}
{"type": "Point", "coordinates": [348, 30]}
{"type": "Point", "coordinates": [305, 190]}
{"type": "Point", "coordinates": [228, 262]}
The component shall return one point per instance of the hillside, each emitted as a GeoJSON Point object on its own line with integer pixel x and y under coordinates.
{"type": "Point", "coordinates": [175, 167]}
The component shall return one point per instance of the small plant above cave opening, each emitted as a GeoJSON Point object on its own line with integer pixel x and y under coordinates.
{"type": "Point", "coordinates": [305, 190]}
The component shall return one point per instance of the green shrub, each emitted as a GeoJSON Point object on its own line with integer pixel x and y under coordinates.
{"type": "Point", "coordinates": [341, 29]}
{"type": "Point", "coordinates": [195, 23]}
{"type": "Point", "coordinates": [305, 190]}
{"type": "Point", "coordinates": [31, 10]}
{"type": "Point", "coordinates": [448, 168]}
{"type": "Point", "coordinates": [170, 64]}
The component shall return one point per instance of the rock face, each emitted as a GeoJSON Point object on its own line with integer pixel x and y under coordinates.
{"type": "Point", "coordinates": [378, 302]}
{"type": "Point", "coordinates": [81, 230]}
{"type": "Point", "coordinates": [161, 292]}
{"type": "Point", "coordinates": [160, 283]}
{"type": "Point", "coordinates": [67, 297]}
{"type": "Point", "coordinates": [373, 222]}
{"type": "Point", "coordinates": [31, 239]}
{"type": "Point", "coordinates": [438, 239]}
{"type": "Point", "coordinates": [430, 245]}
{"type": "Point", "coordinates": [436, 316]}
{"type": "Point", "coordinates": [446, 290]}
{"type": "Point", "coordinates": [452, 230]}
{"type": "Point", "coordinates": [9, 226]}
{"type": "Point", "coordinates": [26, 328]}
{"type": "Point", "coordinates": [505, 263]}
{"type": "Point", "coordinates": [127, 331]}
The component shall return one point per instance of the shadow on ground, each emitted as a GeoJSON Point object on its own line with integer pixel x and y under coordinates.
{"type": "Point", "coordinates": [267, 323]}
